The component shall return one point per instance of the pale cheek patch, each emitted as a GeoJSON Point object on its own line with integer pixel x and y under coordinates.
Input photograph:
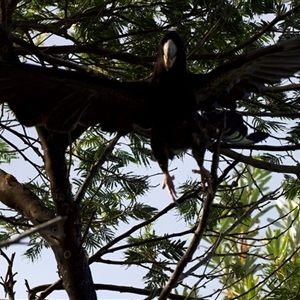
{"type": "Point", "coordinates": [169, 56]}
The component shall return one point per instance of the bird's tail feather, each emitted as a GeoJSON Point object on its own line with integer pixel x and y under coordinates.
{"type": "Point", "coordinates": [235, 131]}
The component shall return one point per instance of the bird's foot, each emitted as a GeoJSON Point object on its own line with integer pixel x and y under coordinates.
{"type": "Point", "coordinates": [169, 184]}
{"type": "Point", "coordinates": [205, 179]}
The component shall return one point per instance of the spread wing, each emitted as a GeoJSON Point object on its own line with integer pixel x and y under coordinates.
{"type": "Point", "coordinates": [61, 99]}
{"type": "Point", "coordinates": [247, 73]}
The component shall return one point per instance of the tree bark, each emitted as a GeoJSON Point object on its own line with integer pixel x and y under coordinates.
{"type": "Point", "coordinates": [18, 197]}
{"type": "Point", "coordinates": [71, 258]}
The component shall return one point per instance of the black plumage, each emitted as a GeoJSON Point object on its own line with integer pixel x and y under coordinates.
{"type": "Point", "coordinates": [179, 126]}
{"type": "Point", "coordinates": [172, 100]}
{"type": "Point", "coordinates": [176, 125]}
{"type": "Point", "coordinates": [168, 141]}
{"type": "Point", "coordinates": [60, 99]}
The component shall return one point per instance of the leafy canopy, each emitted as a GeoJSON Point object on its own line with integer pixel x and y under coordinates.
{"type": "Point", "coordinates": [250, 243]}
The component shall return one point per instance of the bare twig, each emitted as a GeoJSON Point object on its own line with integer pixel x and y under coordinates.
{"type": "Point", "coordinates": [9, 282]}
{"type": "Point", "coordinates": [95, 168]}
{"type": "Point", "coordinates": [86, 231]}
{"type": "Point", "coordinates": [54, 286]}
{"type": "Point", "coordinates": [38, 228]}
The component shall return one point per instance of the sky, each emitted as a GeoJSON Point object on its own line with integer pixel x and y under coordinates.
{"type": "Point", "coordinates": [45, 271]}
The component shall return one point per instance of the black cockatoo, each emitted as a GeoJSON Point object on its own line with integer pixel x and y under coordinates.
{"type": "Point", "coordinates": [178, 126]}
{"type": "Point", "coordinates": [62, 99]}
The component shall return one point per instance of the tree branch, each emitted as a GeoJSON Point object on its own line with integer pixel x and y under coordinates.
{"type": "Point", "coordinates": [260, 147]}
{"type": "Point", "coordinates": [146, 61]}
{"type": "Point", "coordinates": [110, 287]}
{"type": "Point", "coordinates": [9, 282]}
{"type": "Point", "coordinates": [18, 197]}
{"type": "Point", "coordinates": [106, 248]}
{"type": "Point", "coordinates": [283, 88]}
{"type": "Point", "coordinates": [44, 228]}
{"type": "Point", "coordinates": [95, 168]}
{"type": "Point", "coordinates": [261, 164]}
{"type": "Point", "coordinates": [247, 213]}
{"type": "Point", "coordinates": [263, 30]}
{"type": "Point", "coordinates": [69, 253]}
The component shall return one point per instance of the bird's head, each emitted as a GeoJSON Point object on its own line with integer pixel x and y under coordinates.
{"type": "Point", "coordinates": [172, 51]}
{"type": "Point", "coordinates": [170, 66]}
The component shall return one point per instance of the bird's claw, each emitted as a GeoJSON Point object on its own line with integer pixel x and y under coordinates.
{"type": "Point", "coordinates": [169, 184]}
{"type": "Point", "coordinates": [205, 179]}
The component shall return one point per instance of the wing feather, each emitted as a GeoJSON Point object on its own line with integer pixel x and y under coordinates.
{"type": "Point", "coordinates": [249, 72]}
{"type": "Point", "coordinates": [61, 99]}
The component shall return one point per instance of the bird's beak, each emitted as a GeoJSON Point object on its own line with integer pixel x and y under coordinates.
{"type": "Point", "coordinates": [169, 54]}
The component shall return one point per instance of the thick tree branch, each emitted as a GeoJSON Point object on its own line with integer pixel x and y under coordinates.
{"type": "Point", "coordinates": [108, 287]}
{"type": "Point", "coordinates": [18, 197]}
{"type": "Point", "coordinates": [7, 51]}
{"type": "Point", "coordinates": [69, 254]}
{"type": "Point", "coordinates": [261, 164]}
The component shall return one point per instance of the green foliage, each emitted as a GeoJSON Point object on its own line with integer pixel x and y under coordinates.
{"type": "Point", "coordinates": [274, 159]}
{"type": "Point", "coordinates": [294, 134]}
{"type": "Point", "coordinates": [283, 271]}
{"type": "Point", "coordinates": [36, 245]}
{"type": "Point", "coordinates": [257, 263]}
{"type": "Point", "coordinates": [6, 153]}
{"type": "Point", "coordinates": [291, 187]}
{"type": "Point", "coordinates": [237, 255]}
{"type": "Point", "coordinates": [155, 251]}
